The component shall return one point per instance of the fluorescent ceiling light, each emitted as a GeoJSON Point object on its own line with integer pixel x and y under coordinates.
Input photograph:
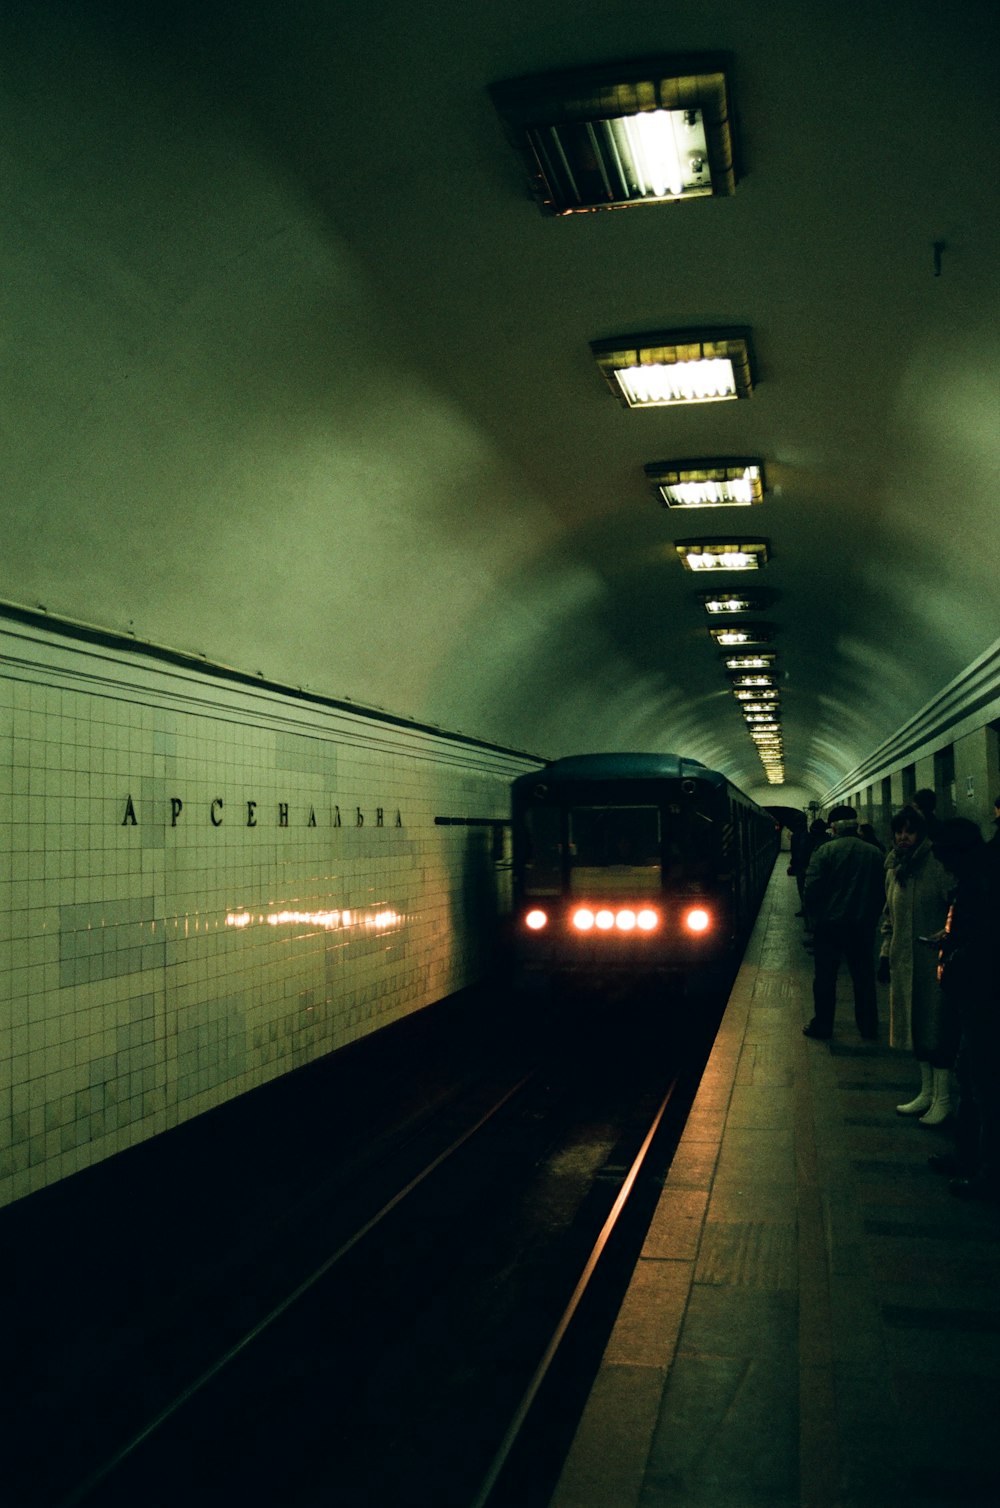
{"type": "Point", "coordinates": [768, 693]}
{"type": "Point", "coordinates": [722, 555]}
{"type": "Point", "coordinates": [707, 484]}
{"type": "Point", "coordinates": [759, 706]}
{"type": "Point", "coordinates": [721, 603]}
{"type": "Point", "coordinates": [744, 633]}
{"type": "Point", "coordinates": [753, 680]}
{"type": "Point", "coordinates": [750, 662]}
{"type": "Point", "coordinates": [622, 134]}
{"type": "Point", "coordinates": [677, 366]}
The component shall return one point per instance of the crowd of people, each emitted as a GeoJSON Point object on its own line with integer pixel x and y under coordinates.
{"type": "Point", "coordinates": [926, 910]}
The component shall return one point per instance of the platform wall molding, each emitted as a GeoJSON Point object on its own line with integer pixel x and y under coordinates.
{"type": "Point", "coordinates": [209, 884]}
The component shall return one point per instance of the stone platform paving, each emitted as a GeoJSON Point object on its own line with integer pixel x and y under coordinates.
{"type": "Point", "coordinates": [814, 1321]}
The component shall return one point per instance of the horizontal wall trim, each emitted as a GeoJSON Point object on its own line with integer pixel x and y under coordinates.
{"type": "Point", "coordinates": [117, 642]}
{"type": "Point", "coordinates": [968, 702]}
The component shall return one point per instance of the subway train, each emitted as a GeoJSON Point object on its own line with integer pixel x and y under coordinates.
{"type": "Point", "coordinates": [633, 865]}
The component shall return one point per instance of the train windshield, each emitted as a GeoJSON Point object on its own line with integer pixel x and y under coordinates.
{"type": "Point", "coordinates": [543, 850]}
{"type": "Point", "coordinates": [614, 850]}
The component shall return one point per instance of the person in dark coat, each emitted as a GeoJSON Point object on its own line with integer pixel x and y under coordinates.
{"type": "Point", "coordinates": [843, 897]}
{"type": "Point", "coordinates": [866, 831]}
{"type": "Point", "coordinates": [994, 841]}
{"type": "Point", "coordinates": [970, 979]}
{"type": "Point", "coordinates": [924, 802]}
{"type": "Point", "coordinates": [813, 837]}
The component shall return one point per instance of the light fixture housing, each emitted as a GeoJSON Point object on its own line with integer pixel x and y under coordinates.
{"type": "Point", "coordinates": [676, 367]}
{"type": "Point", "coordinates": [748, 694]}
{"type": "Point", "coordinates": [722, 554]}
{"type": "Point", "coordinates": [734, 635]}
{"type": "Point", "coordinates": [763, 661]}
{"type": "Point", "coordinates": [725, 604]}
{"type": "Point", "coordinates": [734, 483]}
{"type": "Point", "coordinates": [645, 131]}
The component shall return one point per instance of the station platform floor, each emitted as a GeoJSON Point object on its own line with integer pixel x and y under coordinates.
{"type": "Point", "coordinates": [814, 1320]}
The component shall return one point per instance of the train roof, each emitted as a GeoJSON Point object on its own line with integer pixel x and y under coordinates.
{"type": "Point", "coordinates": [624, 767]}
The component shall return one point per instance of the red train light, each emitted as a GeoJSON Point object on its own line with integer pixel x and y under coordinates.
{"type": "Point", "coordinates": [625, 919]}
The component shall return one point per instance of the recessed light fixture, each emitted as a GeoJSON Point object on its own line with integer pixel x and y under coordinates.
{"type": "Point", "coordinates": [750, 662]}
{"type": "Point", "coordinates": [676, 366]}
{"type": "Point", "coordinates": [724, 603]}
{"type": "Point", "coordinates": [734, 635]}
{"type": "Point", "coordinates": [622, 134]}
{"type": "Point", "coordinates": [707, 484]}
{"type": "Point", "coordinates": [753, 680]}
{"type": "Point", "coordinates": [722, 555]}
{"type": "Point", "coordinates": [767, 693]}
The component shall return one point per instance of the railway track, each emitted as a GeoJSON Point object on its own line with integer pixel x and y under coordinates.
{"type": "Point", "coordinates": [396, 1344]}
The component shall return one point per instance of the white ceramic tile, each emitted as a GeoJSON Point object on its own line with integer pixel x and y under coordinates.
{"type": "Point", "coordinates": [126, 972]}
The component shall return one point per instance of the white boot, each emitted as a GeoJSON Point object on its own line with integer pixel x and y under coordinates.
{"type": "Point", "coordinates": [940, 1110]}
{"type": "Point", "coordinates": [924, 1096]}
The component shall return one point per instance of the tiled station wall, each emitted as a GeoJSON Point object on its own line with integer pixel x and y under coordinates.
{"type": "Point", "coordinates": [965, 775]}
{"type": "Point", "coordinates": [207, 884]}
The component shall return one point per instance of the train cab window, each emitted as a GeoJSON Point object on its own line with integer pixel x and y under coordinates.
{"type": "Point", "coordinates": [688, 850]}
{"type": "Point", "coordinates": [543, 850]}
{"type": "Point", "coordinates": [614, 850]}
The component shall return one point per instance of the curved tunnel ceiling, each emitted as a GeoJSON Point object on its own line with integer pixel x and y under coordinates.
{"type": "Point", "coordinates": [297, 376]}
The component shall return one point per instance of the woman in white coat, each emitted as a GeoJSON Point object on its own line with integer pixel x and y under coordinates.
{"type": "Point", "coordinates": [917, 890]}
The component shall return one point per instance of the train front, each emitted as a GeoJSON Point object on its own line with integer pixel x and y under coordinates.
{"type": "Point", "coordinates": [615, 876]}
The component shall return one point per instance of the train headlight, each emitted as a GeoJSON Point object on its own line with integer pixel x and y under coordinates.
{"type": "Point", "coordinates": [625, 921]}
{"type": "Point", "coordinates": [583, 919]}
{"type": "Point", "coordinates": [697, 920]}
{"type": "Point", "coordinates": [536, 920]}
{"type": "Point", "coordinates": [604, 920]}
{"type": "Point", "coordinates": [647, 920]}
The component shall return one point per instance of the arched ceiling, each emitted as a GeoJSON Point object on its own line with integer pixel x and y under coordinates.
{"type": "Point", "coordinates": [296, 375]}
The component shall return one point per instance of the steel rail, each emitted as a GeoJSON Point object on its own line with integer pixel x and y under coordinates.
{"type": "Point", "coordinates": [80, 1493]}
{"type": "Point", "coordinates": [523, 1409]}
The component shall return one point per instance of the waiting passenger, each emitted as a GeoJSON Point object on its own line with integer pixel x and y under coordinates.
{"type": "Point", "coordinates": [970, 979]}
{"type": "Point", "coordinates": [798, 844]}
{"type": "Point", "coordinates": [924, 802]}
{"type": "Point", "coordinates": [917, 891]}
{"type": "Point", "coordinates": [994, 842]}
{"type": "Point", "coordinates": [869, 835]}
{"type": "Point", "coordinates": [816, 835]}
{"type": "Point", "coordinates": [844, 896]}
